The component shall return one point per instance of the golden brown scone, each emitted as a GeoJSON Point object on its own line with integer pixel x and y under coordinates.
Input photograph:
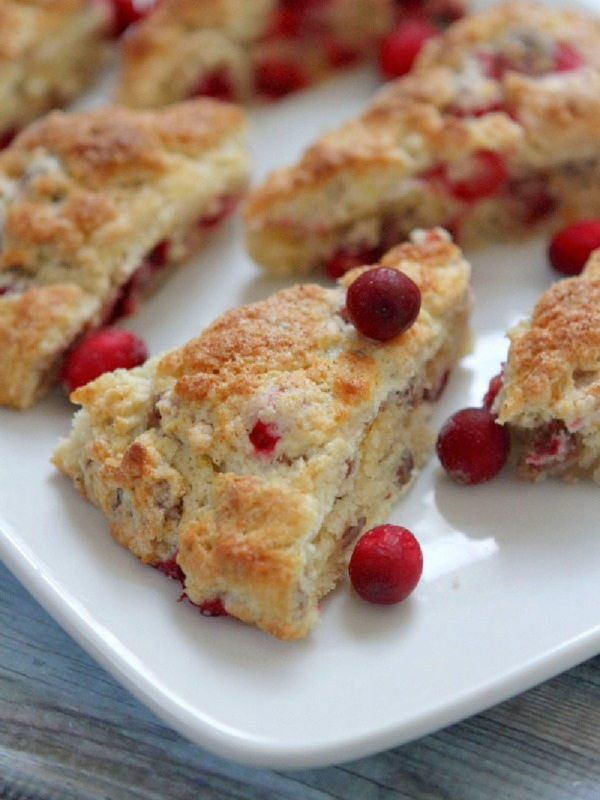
{"type": "Point", "coordinates": [94, 207]}
{"type": "Point", "coordinates": [247, 461]}
{"type": "Point", "coordinates": [50, 51]}
{"type": "Point", "coordinates": [249, 51]}
{"type": "Point", "coordinates": [550, 395]}
{"type": "Point", "coordinates": [494, 135]}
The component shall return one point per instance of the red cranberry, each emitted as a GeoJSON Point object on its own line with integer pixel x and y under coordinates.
{"type": "Point", "coordinates": [471, 446]}
{"type": "Point", "coordinates": [382, 302]}
{"type": "Point", "coordinates": [483, 176]}
{"type": "Point", "coordinates": [213, 608]}
{"type": "Point", "coordinates": [264, 437]}
{"type": "Point", "coordinates": [102, 351]}
{"type": "Point", "coordinates": [399, 48]}
{"type": "Point", "coordinates": [571, 246]}
{"type": "Point", "coordinates": [346, 258]}
{"type": "Point", "coordinates": [275, 78]}
{"type": "Point", "coordinates": [7, 135]}
{"type": "Point", "coordinates": [171, 569]}
{"type": "Point", "coordinates": [566, 58]}
{"type": "Point", "coordinates": [216, 83]}
{"type": "Point", "coordinates": [125, 13]}
{"type": "Point", "coordinates": [285, 23]}
{"type": "Point", "coordinates": [386, 564]}
{"type": "Point", "coordinates": [339, 54]}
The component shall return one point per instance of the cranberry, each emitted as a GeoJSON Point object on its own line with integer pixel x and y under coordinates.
{"type": "Point", "coordinates": [566, 58]}
{"type": "Point", "coordinates": [571, 246]}
{"type": "Point", "coordinates": [480, 177]}
{"type": "Point", "coordinates": [339, 54]}
{"type": "Point", "coordinates": [382, 302]}
{"type": "Point", "coordinates": [213, 608]}
{"type": "Point", "coordinates": [471, 446]}
{"type": "Point", "coordinates": [102, 351]}
{"type": "Point", "coordinates": [7, 135]}
{"type": "Point", "coordinates": [386, 564]}
{"type": "Point", "coordinates": [264, 437]}
{"type": "Point", "coordinates": [399, 48]}
{"type": "Point", "coordinates": [275, 78]}
{"type": "Point", "coordinates": [346, 258]}
{"type": "Point", "coordinates": [171, 569]}
{"type": "Point", "coordinates": [285, 23]}
{"type": "Point", "coordinates": [125, 13]}
{"type": "Point", "coordinates": [216, 83]}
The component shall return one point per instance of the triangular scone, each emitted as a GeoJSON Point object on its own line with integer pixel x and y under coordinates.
{"type": "Point", "coordinates": [249, 460]}
{"type": "Point", "coordinates": [50, 52]}
{"type": "Point", "coordinates": [95, 206]}
{"type": "Point", "coordinates": [493, 135]}
{"type": "Point", "coordinates": [251, 51]}
{"type": "Point", "coordinates": [550, 395]}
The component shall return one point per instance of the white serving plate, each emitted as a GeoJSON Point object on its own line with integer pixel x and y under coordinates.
{"type": "Point", "coordinates": [509, 596]}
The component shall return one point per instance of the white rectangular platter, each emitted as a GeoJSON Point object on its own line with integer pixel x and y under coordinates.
{"type": "Point", "coordinates": [509, 595]}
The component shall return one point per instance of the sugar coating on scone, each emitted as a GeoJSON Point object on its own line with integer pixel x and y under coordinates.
{"type": "Point", "coordinates": [249, 460]}
{"type": "Point", "coordinates": [550, 395]}
{"type": "Point", "coordinates": [493, 135]}
{"type": "Point", "coordinates": [50, 51]}
{"type": "Point", "coordinates": [255, 51]}
{"type": "Point", "coordinates": [95, 206]}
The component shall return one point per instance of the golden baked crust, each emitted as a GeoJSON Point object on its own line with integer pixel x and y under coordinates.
{"type": "Point", "coordinates": [493, 135]}
{"type": "Point", "coordinates": [550, 395]}
{"type": "Point", "coordinates": [50, 51]}
{"type": "Point", "coordinates": [185, 47]}
{"type": "Point", "coordinates": [86, 197]}
{"type": "Point", "coordinates": [252, 457]}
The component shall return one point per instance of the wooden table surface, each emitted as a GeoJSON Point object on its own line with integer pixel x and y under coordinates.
{"type": "Point", "coordinates": [68, 731]}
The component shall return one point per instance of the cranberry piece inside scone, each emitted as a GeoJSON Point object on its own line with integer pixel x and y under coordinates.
{"type": "Point", "coordinates": [217, 83]}
{"type": "Point", "coordinates": [264, 437]}
{"type": "Point", "coordinates": [478, 177]}
{"type": "Point", "coordinates": [276, 78]}
{"type": "Point", "coordinates": [386, 564]}
{"type": "Point", "coordinates": [126, 13]}
{"type": "Point", "coordinates": [171, 569]}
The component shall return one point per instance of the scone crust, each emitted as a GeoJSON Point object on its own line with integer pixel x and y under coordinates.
{"type": "Point", "coordinates": [265, 530]}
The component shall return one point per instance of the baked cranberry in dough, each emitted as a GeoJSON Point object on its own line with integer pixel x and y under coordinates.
{"type": "Point", "coordinates": [95, 207]}
{"type": "Point", "coordinates": [492, 135]}
{"type": "Point", "coordinates": [247, 461]}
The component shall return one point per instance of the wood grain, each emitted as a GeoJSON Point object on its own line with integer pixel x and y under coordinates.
{"type": "Point", "coordinates": [68, 731]}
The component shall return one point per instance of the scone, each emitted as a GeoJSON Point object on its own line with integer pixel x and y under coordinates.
{"type": "Point", "coordinates": [95, 206]}
{"type": "Point", "coordinates": [50, 51]}
{"type": "Point", "coordinates": [247, 461]}
{"type": "Point", "coordinates": [550, 392]}
{"type": "Point", "coordinates": [493, 135]}
{"type": "Point", "coordinates": [252, 51]}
